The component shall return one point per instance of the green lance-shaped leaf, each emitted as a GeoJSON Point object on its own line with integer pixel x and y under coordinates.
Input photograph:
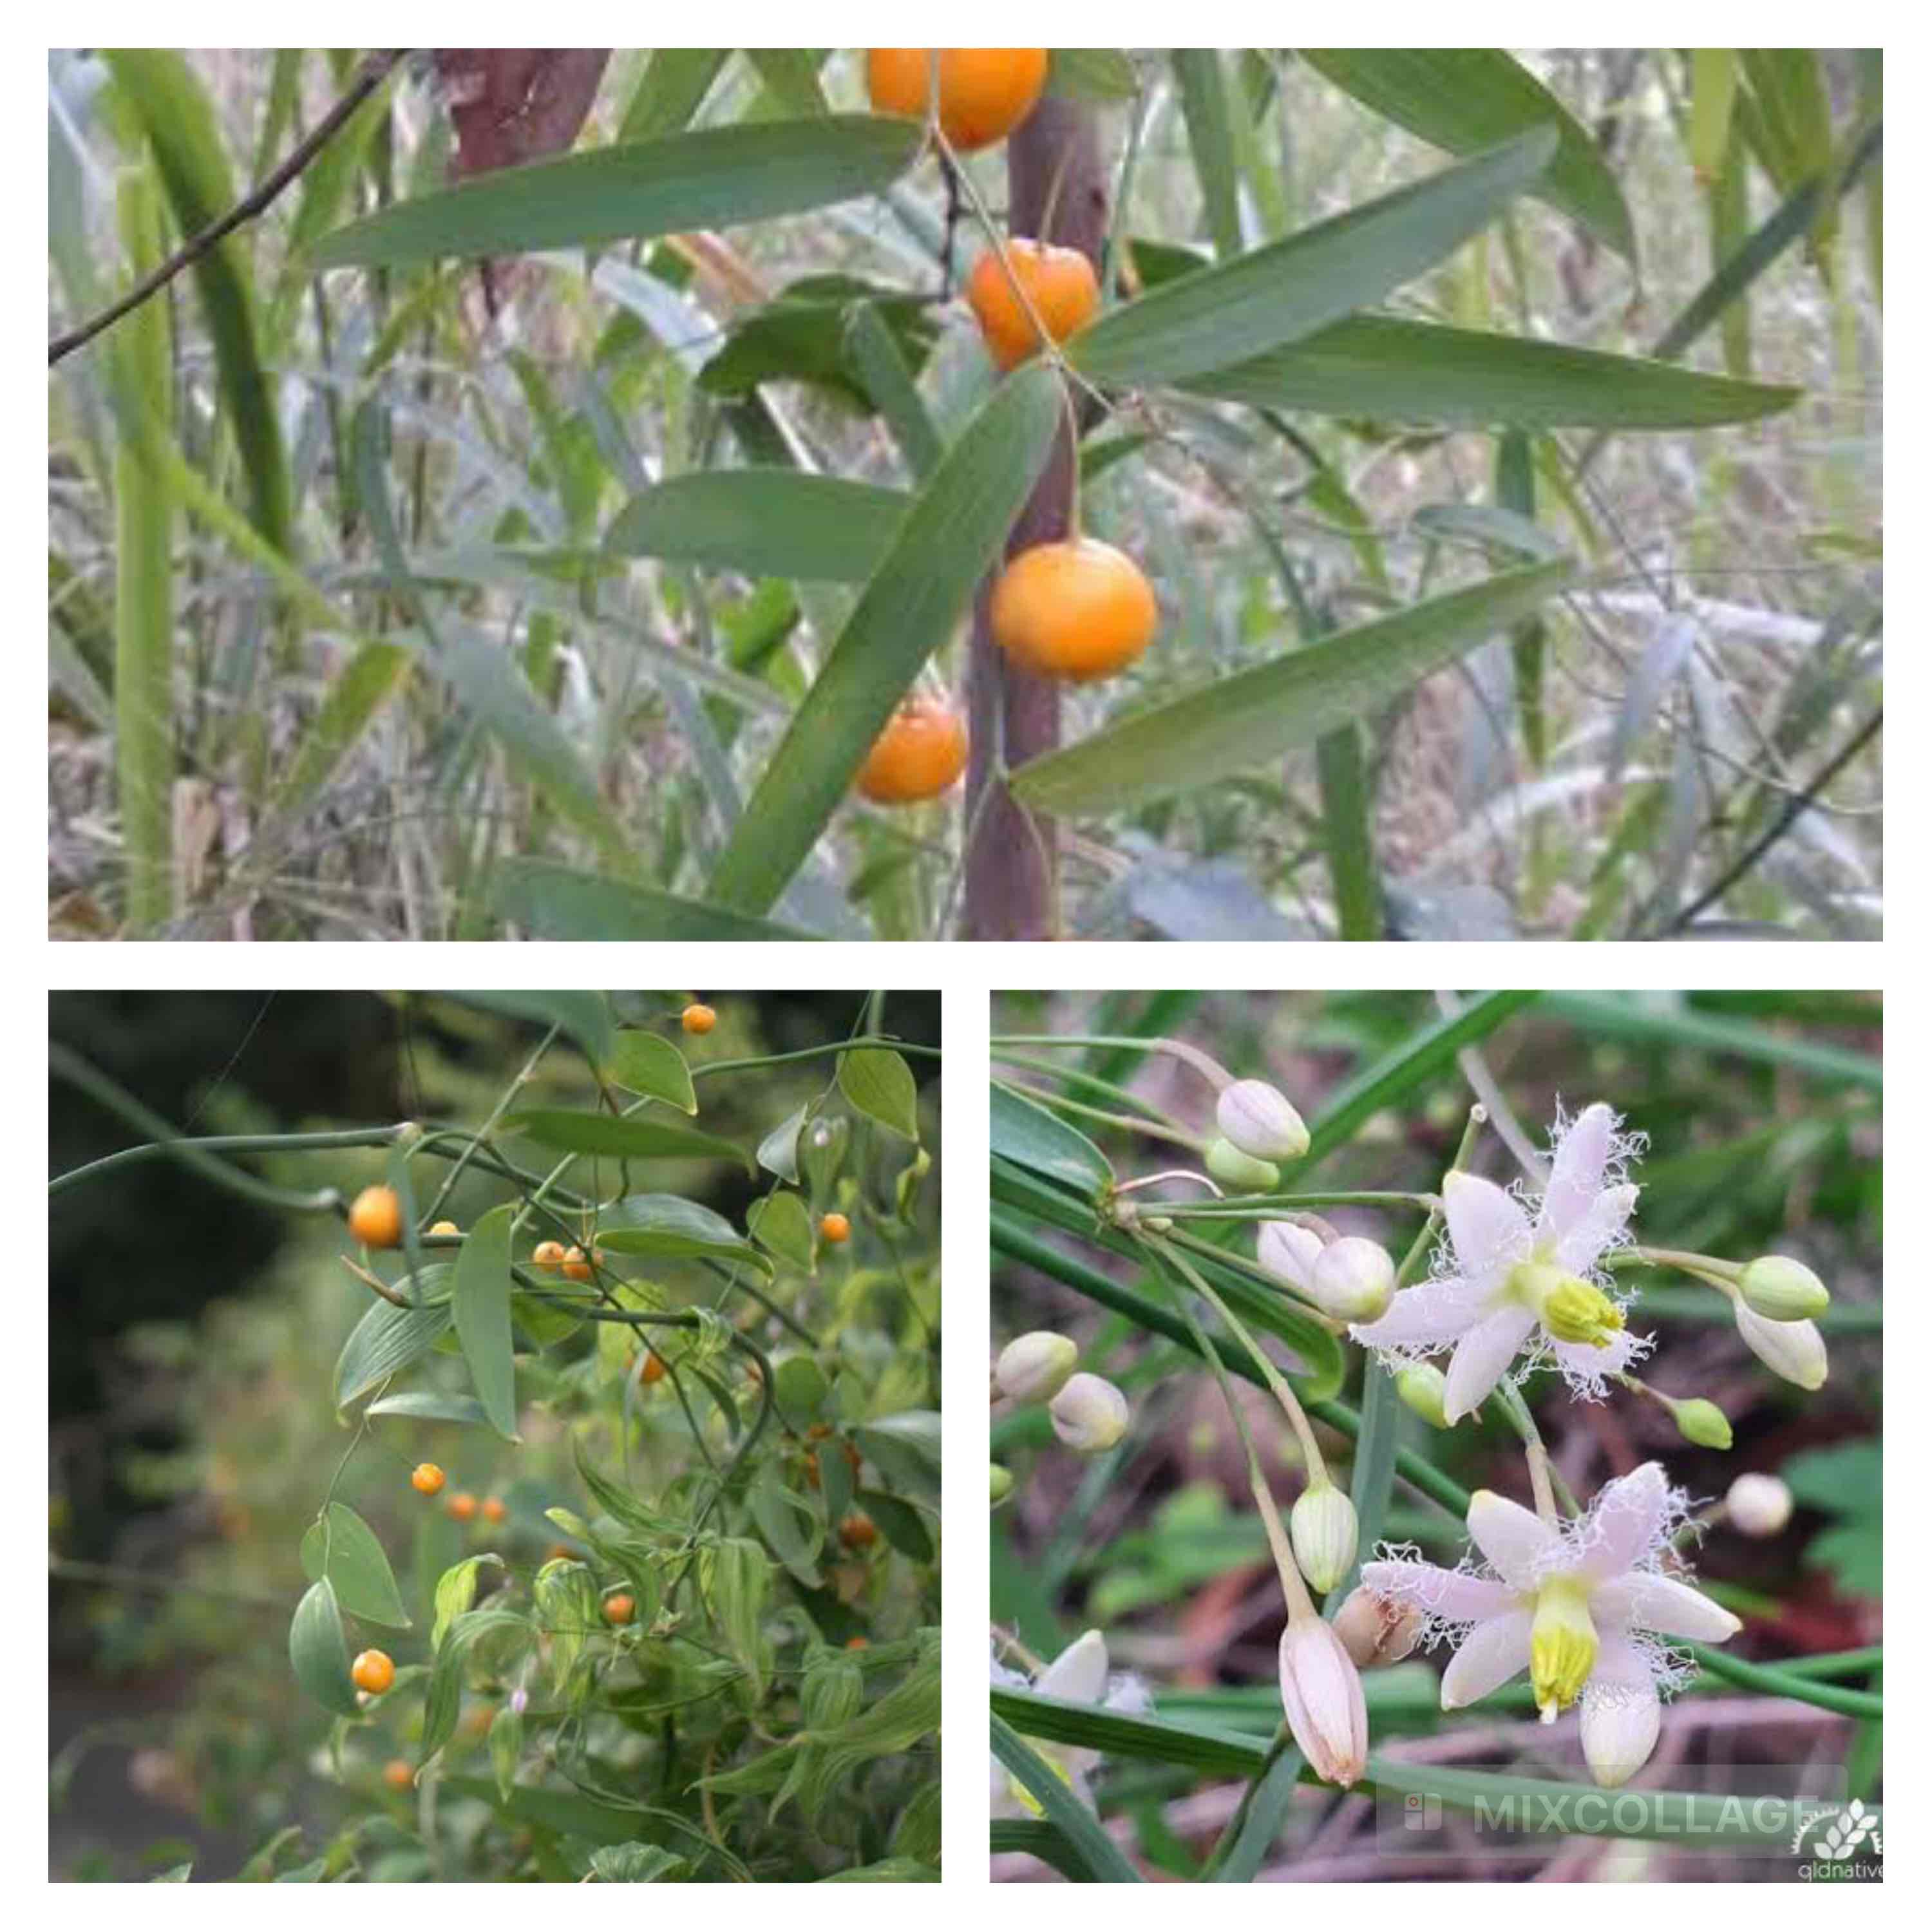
{"type": "Point", "coordinates": [1257, 302]}
{"type": "Point", "coordinates": [904, 1448]}
{"type": "Point", "coordinates": [737, 1577]}
{"type": "Point", "coordinates": [1400, 371]}
{"type": "Point", "coordinates": [879, 1083]}
{"type": "Point", "coordinates": [1259, 715]}
{"type": "Point", "coordinates": [582, 1017]}
{"type": "Point", "coordinates": [445, 1696]}
{"type": "Point", "coordinates": [1092, 73]}
{"type": "Point", "coordinates": [140, 353]}
{"type": "Point", "coordinates": [672, 90]}
{"type": "Point", "coordinates": [902, 1525]}
{"type": "Point", "coordinates": [160, 89]}
{"type": "Point", "coordinates": [1026, 1133]}
{"type": "Point", "coordinates": [664, 1227]}
{"type": "Point", "coordinates": [778, 1152]}
{"type": "Point", "coordinates": [713, 178]}
{"type": "Point", "coordinates": [763, 523]}
{"type": "Point", "coordinates": [647, 1063]}
{"type": "Point", "coordinates": [388, 1338]}
{"type": "Point", "coordinates": [319, 1652]}
{"type": "Point", "coordinates": [1465, 99]}
{"type": "Point", "coordinates": [791, 1525]}
{"type": "Point", "coordinates": [481, 1303]}
{"type": "Point", "coordinates": [635, 1137]}
{"type": "Point", "coordinates": [344, 1548]}
{"type": "Point", "coordinates": [455, 1593]}
{"type": "Point", "coordinates": [906, 611]}
{"type": "Point", "coordinates": [425, 1405]}
{"type": "Point", "coordinates": [1052, 1793]}
{"type": "Point", "coordinates": [558, 902]}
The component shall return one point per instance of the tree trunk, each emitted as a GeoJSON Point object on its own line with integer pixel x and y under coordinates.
{"type": "Point", "coordinates": [1012, 875]}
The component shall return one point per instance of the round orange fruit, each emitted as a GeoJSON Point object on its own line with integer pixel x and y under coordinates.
{"type": "Point", "coordinates": [858, 1531]}
{"type": "Point", "coordinates": [547, 1254]}
{"type": "Point", "coordinates": [1078, 610]}
{"type": "Point", "coordinates": [397, 1775]}
{"type": "Point", "coordinates": [462, 1506]}
{"type": "Point", "coordinates": [376, 1218]}
{"type": "Point", "coordinates": [494, 1511]}
{"type": "Point", "coordinates": [576, 1267]}
{"type": "Point", "coordinates": [1058, 284]}
{"type": "Point", "coordinates": [985, 93]}
{"type": "Point", "coordinates": [426, 1479]}
{"type": "Point", "coordinates": [619, 1609]}
{"type": "Point", "coordinates": [373, 1672]}
{"type": "Point", "coordinates": [654, 1370]}
{"type": "Point", "coordinates": [920, 753]}
{"type": "Point", "coordinates": [697, 1018]}
{"type": "Point", "coordinates": [834, 1227]}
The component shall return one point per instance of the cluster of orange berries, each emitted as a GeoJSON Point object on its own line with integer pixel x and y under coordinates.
{"type": "Point", "coordinates": [1076, 611]}
{"type": "Point", "coordinates": [427, 1480]}
{"type": "Point", "coordinates": [572, 1263]}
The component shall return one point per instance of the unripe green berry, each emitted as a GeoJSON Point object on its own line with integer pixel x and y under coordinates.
{"type": "Point", "coordinates": [1242, 1171]}
{"type": "Point", "coordinates": [1702, 1423]}
{"type": "Point", "coordinates": [1424, 1388]}
{"type": "Point", "coordinates": [1781, 1289]}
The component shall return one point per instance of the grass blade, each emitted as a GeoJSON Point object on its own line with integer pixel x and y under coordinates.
{"type": "Point", "coordinates": [763, 523]}
{"type": "Point", "coordinates": [1062, 1810]}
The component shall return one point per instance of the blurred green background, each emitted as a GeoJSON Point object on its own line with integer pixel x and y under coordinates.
{"type": "Point", "coordinates": [192, 1335]}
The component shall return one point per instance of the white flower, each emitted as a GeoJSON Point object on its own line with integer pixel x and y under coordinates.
{"type": "Point", "coordinates": [1583, 1607]}
{"type": "Point", "coordinates": [1078, 1676]}
{"type": "Point", "coordinates": [1505, 1281]}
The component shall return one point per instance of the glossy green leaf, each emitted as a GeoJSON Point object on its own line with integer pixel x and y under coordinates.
{"type": "Point", "coordinates": [672, 90]}
{"type": "Point", "coordinates": [901, 1526]}
{"type": "Point", "coordinates": [778, 1152]}
{"type": "Point", "coordinates": [1465, 99]}
{"type": "Point", "coordinates": [1259, 715]}
{"type": "Point", "coordinates": [424, 1405]}
{"type": "Point", "coordinates": [790, 1525]}
{"type": "Point", "coordinates": [763, 523]}
{"type": "Point", "coordinates": [1022, 1131]}
{"type": "Point", "coordinates": [319, 1652]}
{"type": "Point", "coordinates": [904, 1448]}
{"type": "Point", "coordinates": [713, 178]}
{"type": "Point", "coordinates": [781, 1223]}
{"type": "Point", "coordinates": [790, 76]}
{"type": "Point", "coordinates": [1400, 371]}
{"type": "Point", "coordinates": [1242, 309]}
{"type": "Point", "coordinates": [668, 1228]}
{"type": "Point", "coordinates": [444, 1697]}
{"type": "Point", "coordinates": [346, 1549]}
{"type": "Point", "coordinates": [455, 1593]}
{"type": "Point", "coordinates": [879, 1083]}
{"type": "Point", "coordinates": [481, 1304]}
{"type": "Point", "coordinates": [559, 902]}
{"type": "Point", "coordinates": [388, 1338]}
{"type": "Point", "coordinates": [647, 1063]}
{"type": "Point", "coordinates": [908, 609]}
{"type": "Point", "coordinates": [1203, 107]}
{"type": "Point", "coordinates": [639, 1137]}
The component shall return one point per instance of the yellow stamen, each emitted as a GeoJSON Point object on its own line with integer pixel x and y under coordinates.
{"type": "Point", "coordinates": [1562, 1645]}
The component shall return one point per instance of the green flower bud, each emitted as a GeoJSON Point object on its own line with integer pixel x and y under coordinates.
{"type": "Point", "coordinates": [1034, 1367]}
{"type": "Point", "coordinates": [1260, 1122]}
{"type": "Point", "coordinates": [1002, 1483]}
{"type": "Point", "coordinates": [1423, 1387]}
{"type": "Point", "coordinates": [1782, 1290]}
{"type": "Point", "coordinates": [1702, 1423]}
{"type": "Point", "coordinates": [1321, 1526]}
{"type": "Point", "coordinates": [1232, 1168]}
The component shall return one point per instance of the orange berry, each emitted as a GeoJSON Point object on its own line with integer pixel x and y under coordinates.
{"type": "Point", "coordinates": [985, 93]}
{"type": "Point", "coordinates": [834, 1227]}
{"type": "Point", "coordinates": [858, 1531]}
{"type": "Point", "coordinates": [853, 1457]}
{"type": "Point", "coordinates": [445, 1228]}
{"type": "Point", "coordinates": [697, 1018]}
{"type": "Point", "coordinates": [811, 1467]}
{"type": "Point", "coordinates": [818, 1431]}
{"type": "Point", "coordinates": [376, 1218]}
{"type": "Point", "coordinates": [619, 1609]}
{"type": "Point", "coordinates": [372, 1671]}
{"type": "Point", "coordinates": [920, 753]}
{"type": "Point", "coordinates": [654, 1368]}
{"type": "Point", "coordinates": [547, 1254]}
{"type": "Point", "coordinates": [1078, 611]}
{"type": "Point", "coordinates": [1059, 284]}
{"type": "Point", "coordinates": [397, 1775]}
{"type": "Point", "coordinates": [426, 1479]}
{"type": "Point", "coordinates": [858, 1643]}
{"type": "Point", "coordinates": [576, 1267]}
{"type": "Point", "coordinates": [462, 1506]}
{"type": "Point", "coordinates": [494, 1511]}
{"type": "Point", "coordinates": [560, 1552]}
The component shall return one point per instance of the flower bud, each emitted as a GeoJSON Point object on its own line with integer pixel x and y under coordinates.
{"type": "Point", "coordinates": [1259, 1121]}
{"type": "Point", "coordinates": [1002, 1484]}
{"type": "Point", "coordinates": [520, 1700]}
{"type": "Point", "coordinates": [1321, 1526]}
{"type": "Point", "coordinates": [1376, 1629]}
{"type": "Point", "coordinates": [1619, 1728]}
{"type": "Point", "coordinates": [1423, 1388]}
{"type": "Point", "coordinates": [1758, 1505]}
{"type": "Point", "coordinates": [1782, 1290]}
{"type": "Point", "coordinates": [1034, 1367]}
{"type": "Point", "coordinates": [1795, 1350]}
{"type": "Point", "coordinates": [1089, 1414]}
{"type": "Point", "coordinates": [1354, 1279]}
{"type": "Point", "coordinates": [1702, 1423]}
{"type": "Point", "coordinates": [1288, 1252]}
{"type": "Point", "coordinates": [1321, 1697]}
{"type": "Point", "coordinates": [1233, 1168]}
